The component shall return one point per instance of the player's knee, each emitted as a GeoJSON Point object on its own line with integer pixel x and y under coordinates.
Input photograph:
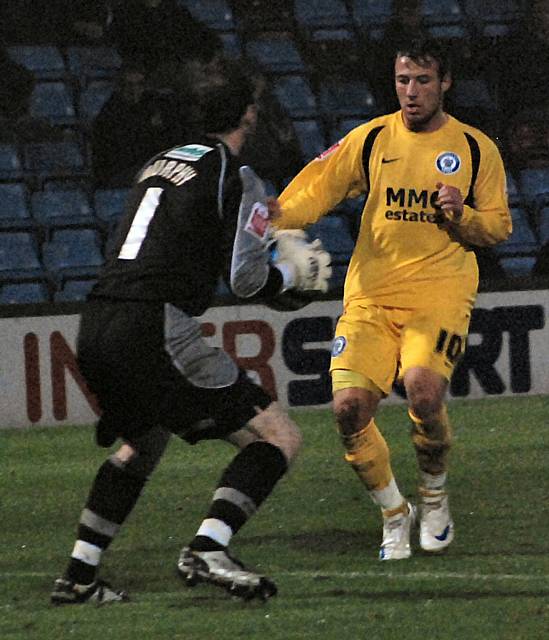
{"type": "Point", "coordinates": [273, 425]}
{"type": "Point", "coordinates": [348, 416]}
{"type": "Point", "coordinates": [425, 397]}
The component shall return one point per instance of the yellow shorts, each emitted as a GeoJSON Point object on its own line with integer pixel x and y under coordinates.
{"type": "Point", "coordinates": [382, 343]}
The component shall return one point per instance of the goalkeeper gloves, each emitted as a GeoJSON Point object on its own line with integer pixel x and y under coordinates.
{"type": "Point", "coordinates": [304, 265]}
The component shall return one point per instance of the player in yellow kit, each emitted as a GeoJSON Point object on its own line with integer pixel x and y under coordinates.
{"type": "Point", "coordinates": [435, 188]}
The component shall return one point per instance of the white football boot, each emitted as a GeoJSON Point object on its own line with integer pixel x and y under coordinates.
{"type": "Point", "coordinates": [396, 535]}
{"type": "Point", "coordinates": [436, 528]}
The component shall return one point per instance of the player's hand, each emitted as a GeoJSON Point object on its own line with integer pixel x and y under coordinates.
{"type": "Point", "coordinates": [450, 202]}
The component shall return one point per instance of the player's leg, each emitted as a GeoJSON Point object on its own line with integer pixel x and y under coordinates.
{"type": "Point", "coordinates": [114, 492]}
{"type": "Point", "coordinates": [268, 441]}
{"type": "Point", "coordinates": [432, 344]}
{"type": "Point", "coordinates": [359, 383]}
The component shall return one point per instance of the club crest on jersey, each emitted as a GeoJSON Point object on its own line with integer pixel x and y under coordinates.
{"type": "Point", "coordinates": [258, 221]}
{"type": "Point", "coordinates": [448, 162]}
{"type": "Point", "coordinates": [338, 346]}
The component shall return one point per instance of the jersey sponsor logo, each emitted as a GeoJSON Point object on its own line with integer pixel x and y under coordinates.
{"type": "Point", "coordinates": [329, 151]}
{"type": "Point", "coordinates": [448, 162]}
{"type": "Point", "coordinates": [258, 221]}
{"type": "Point", "coordinates": [338, 346]}
{"type": "Point", "coordinates": [190, 152]}
{"type": "Point", "coordinates": [405, 200]}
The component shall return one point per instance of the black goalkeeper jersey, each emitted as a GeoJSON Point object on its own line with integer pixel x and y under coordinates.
{"type": "Point", "coordinates": [193, 215]}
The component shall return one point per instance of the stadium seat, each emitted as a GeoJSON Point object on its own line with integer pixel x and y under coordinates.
{"type": "Point", "coordinates": [216, 14]}
{"type": "Point", "coordinates": [62, 208]}
{"type": "Point", "coordinates": [441, 12]}
{"type": "Point", "coordinates": [315, 14]}
{"type": "Point", "coordinates": [10, 162]}
{"type": "Point", "coordinates": [24, 292]}
{"type": "Point", "coordinates": [109, 204]}
{"type": "Point", "coordinates": [73, 253]}
{"type": "Point", "coordinates": [333, 52]}
{"type": "Point", "coordinates": [495, 16]}
{"type": "Point", "coordinates": [334, 232]}
{"type": "Point", "coordinates": [92, 98]}
{"type": "Point", "coordinates": [62, 157]}
{"type": "Point", "coordinates": [19, 255]}
{"type": "Point", "coordinates": [533, 182]}
{"type": "Point", "coordinates": [43, 61]}
{"type": "Point", "coordinates": [89, 62]}
{"type": "Point", "coordinates": [368, 13]}
{"type": "Point", "coordinates": [311, 138]}
{"type": "Point", "coordinates": [276, 52]}
{"type": "Point", "coordinates": [543, 225]}
{"type": "Point", "coordinates": [339, 97]}
{"type": "Point", "coordinates": [296, 96]}
{"type": "Point", "coordinates": [342, 128]}
{"type": "Point", "coordinates": [517, 255]}
{"type": "Point", "coordinates": [53, 101]}
{"type": "Point", "coordinates": [74, 290]}
{"type": "Point", "coordinates": [14, 206]}
{"type": "Point", "coordinates": [232, 47]}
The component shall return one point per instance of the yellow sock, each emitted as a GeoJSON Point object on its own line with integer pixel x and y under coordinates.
{"type": "Point", "coordinates": [368, 455]}
{"type": "Point", "coordinates": [432, 442]}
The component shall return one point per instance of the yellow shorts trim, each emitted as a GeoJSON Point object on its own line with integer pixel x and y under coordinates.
{"type": "Point", "coordinates": [345, 379]}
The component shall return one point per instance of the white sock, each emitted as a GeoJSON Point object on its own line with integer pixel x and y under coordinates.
{"type": "Point", "coordinates": [216, 530]}
{"type": "Point", "coordinates": [432, 483]}
{"type": "Point", "coordinates": [389, 497]}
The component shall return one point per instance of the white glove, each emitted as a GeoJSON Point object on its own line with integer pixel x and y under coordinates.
{"type": "Point", "coordinates": [304, 265]}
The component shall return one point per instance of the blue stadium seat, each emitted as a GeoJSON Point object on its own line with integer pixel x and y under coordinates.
{"type": "Point", "coordinates": [276, 52]}
{"type": "Point", "coordinates": [533, 182]}
{"type": "Point", "coordinates": [232, 47]}
{"type": "Point", "coordinates": [368, 13]}
{"type": "Point", "coordinates": [24, 292]}
{"type": "Point", "coordinates": [10, 162]}
{"type": "Point", "coordinates": [62, 208]}
{"type": "Point", "coordinates": [296, 96]}
{"type": "Point", "coordinates": [518, 253]}
{"type": "Point", "coordinates": [441, 12]}
{"type": "Point", "coordinates": [314, 14]}
{"type": "Point", "coordinates": [73, 253]}
{"type": "Point", "coordinates": [216, 14]}
{"type": "Point", "coordinates": [339, 97]}
{"type": "Point", "coordinates": [44, 61]}
{"type": "Point", "coordinates": [311, 138]}
{"type": "Point", "coordinates": [495, 16]}
{"type": "Point", "coordinates": [74, 290]}
{"type": "Point", "coordinates": [543, 225]}
{"type": "Point", "coordinates": [93, 97]}
{"type": "Point", "coordinates": [19, 255]}
{"type": "Point", "coordinates": [88, 62]}
{"type": "Point", "coordinates": [336, 237]}
{"type": "Point", "coordinates": [54, 157]}
{"type": "Point", "coordinates": [54, 101]}
{"type": "Point", "coordinates": [342, 128]}
{"type": "Point", "coordinates": [109, 204]}
{"type": "Point", "coordinates": [14, 206]}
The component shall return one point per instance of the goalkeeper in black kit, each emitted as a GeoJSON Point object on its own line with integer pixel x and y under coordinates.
{"type": "Point", "coordinates": [194, 215]}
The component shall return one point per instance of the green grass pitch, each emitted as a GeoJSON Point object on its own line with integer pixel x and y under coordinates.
{"type": "Point", "coordinates": [317, 536]}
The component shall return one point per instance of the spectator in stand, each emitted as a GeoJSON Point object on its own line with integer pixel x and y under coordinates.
{"type": "Point", "coordinates": [133, 125]}
{"type": "Point", "coordinates": [162, 36]}
{"type": "Point", "coordinates": [527, 144]}
{"type": "Point", "coordinates": [273, 150]}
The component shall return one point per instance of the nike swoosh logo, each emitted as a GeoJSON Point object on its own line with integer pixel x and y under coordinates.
{"type": "Point", "coordinates": [387, 160]}
{"type": "Point", "coordinates": [442, 537]}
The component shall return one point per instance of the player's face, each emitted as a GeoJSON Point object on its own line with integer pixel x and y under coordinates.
{"type": "Point", "coordinates": [420, 91]}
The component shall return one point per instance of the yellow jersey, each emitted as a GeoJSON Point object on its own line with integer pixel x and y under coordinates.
{"type": "Point", "coordinates": [404, 256]}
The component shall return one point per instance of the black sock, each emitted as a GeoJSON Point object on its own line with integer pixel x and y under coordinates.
{"type": "Point", "coordinates": [112, 497]}
{"type": "Point", "coordinates": [245, 484]}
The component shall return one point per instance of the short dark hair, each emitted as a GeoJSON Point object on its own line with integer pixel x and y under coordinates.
{"type": "Point", "coordinates": [420, 50]}
{"type": "Point", "coordinates": [223, 92]}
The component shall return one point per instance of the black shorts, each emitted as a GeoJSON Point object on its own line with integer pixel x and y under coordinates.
{"type": "Point", "coordinates": [142, 378]}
